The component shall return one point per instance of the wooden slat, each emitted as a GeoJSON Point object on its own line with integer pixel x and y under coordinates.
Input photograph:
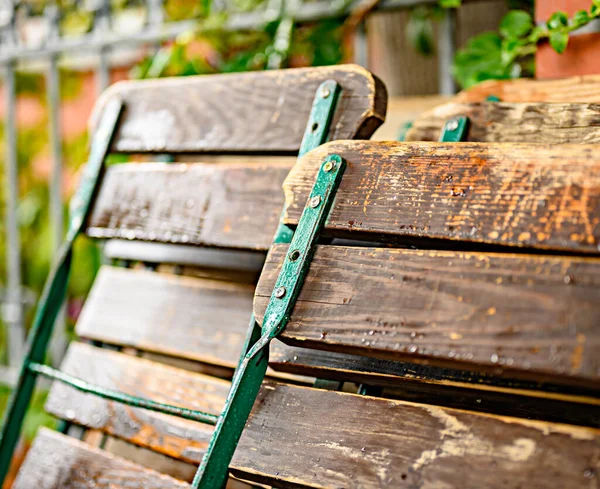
{"type": "Point", "coordinates": [175, 437]}
{"type": "Point", "coordinates": [302, 437]}
{"type": "Point", "coordinates": [522, 195]}
{"type": "Point", "coordinates": [574, 89]}
{"type": "Point", "coordinates": [527, 316]}
{"type": "Point", "coordinates": [244, 112]}
{"type": "Point", "coordinates": [58, 461]}
{"type": "Point", "coordinates": [234, 206]}
{"type": "Point", "coordinates": [473, 391]}
{"type": "Point", "coordinates": [197, 319]}
{"type": "Point", "coordinates": [514, 123]}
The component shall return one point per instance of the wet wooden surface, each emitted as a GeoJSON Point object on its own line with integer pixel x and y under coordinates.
{"type": "Point", "coordinates": [510, 122]}
{"type": "Point", "coordinates": [229, 205]}
{"type": "Point", "coordinates": [243, 112]}
{"type": "Point", "coordinates": [573, 89]}
{"type": "Point", "coordinates": [520, 195]}
{"type": "Point", "coordinates": [302, 437]}
{"type": "Point", "coordinates": [177, 438]}
{"type": "Point", "coordinates": [187, 317]}
{"type": "Point", "coordinates": [57, 461]}
{"type": "Point", "coordinates": [527, 316]}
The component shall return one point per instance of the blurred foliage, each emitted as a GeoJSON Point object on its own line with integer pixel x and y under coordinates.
{"type": "Point", "coordinates": [500, 55]}
{"type": "Point", "coordinates": [508, 53]}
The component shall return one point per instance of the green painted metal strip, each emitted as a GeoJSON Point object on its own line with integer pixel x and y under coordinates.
{"type": "Point", "coordinates": [55, 288]}
{"type": "Point", "coordinates": [114, 395]}
{"type": "Point", "coordinates": [315, 134]}
{"type": "Point", "coordinates": [213, 470]}
{"type": "Point", "coordinates": [302, 247]}
{"type": "Point", "coordinates": [455, 130]}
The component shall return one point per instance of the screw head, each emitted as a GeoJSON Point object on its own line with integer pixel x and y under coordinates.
{"type": "Point", "coordinates": [327, 167]}
{"type": "Point", "coordinates": [280, 292]}
{"type": "Point", "coordinates": [325, 92]}
{"type": "Point", "coordinates": [452, 125]}
{"type": "Point", "coordinates": [315, 201]}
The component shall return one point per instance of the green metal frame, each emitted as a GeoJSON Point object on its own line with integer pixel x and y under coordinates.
{"type": "Point", "coordinates": [213, 471]}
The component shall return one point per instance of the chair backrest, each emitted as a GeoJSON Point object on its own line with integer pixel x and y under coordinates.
{"type": "Point", "coordinates": [195, 236]}
{"type": "Point", "coordinates": [500, 297]}
{"type": "Point", "coordinates": [510, 122]}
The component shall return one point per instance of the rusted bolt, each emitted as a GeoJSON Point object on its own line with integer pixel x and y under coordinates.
{"type": "Point", "coordinates": [315, 201]}
{"type": "Point", "coordinates": [280, 292]}
{"type": "Point", "coordinates": [294, 255]}
{"type": "Point", "coordinates": [452, 125]}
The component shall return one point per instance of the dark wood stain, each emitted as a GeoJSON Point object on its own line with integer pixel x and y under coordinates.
{"type": "Point", "coordinates": [228, 205]}
{"type": "Point", "coordinates": [427, 384]}
{"type": "Point", "coordinates": [243, 112]}
{"type": "Point", "coordinates": [303, 437]}
{"type": "Point", "coordinates": [193, 318]}
{"type": "Point", "coordinates": [513, 122]}
{"type": "Point", "coordinates": [525, 316]}
{"type": "Point", "coordinates": [57, 461]}
{"type": "Point", "coordinates": [518, 195]}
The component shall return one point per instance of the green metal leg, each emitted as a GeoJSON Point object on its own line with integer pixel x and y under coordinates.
{"type": "Point", "coordinates": [214, 469]}
{"type": "Point", "coordinates": [52, 298]}
{"type": "Point", "coordinates": [55, 289]}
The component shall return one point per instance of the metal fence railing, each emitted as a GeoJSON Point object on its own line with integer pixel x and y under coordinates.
{"type": "Point", "coordinates": [101, 39]}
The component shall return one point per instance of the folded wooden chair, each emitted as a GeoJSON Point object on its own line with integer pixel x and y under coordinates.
{"type": "Point", "coordinates": [220, 217]}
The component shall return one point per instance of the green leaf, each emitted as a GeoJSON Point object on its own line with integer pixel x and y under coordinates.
{"type": "Point", "coordinates": [595, 10]}
{"type": "Point", "coordinates": [450, 3]}
{"type": "Point", "coordinates": [559, 41]}
{"type": "Point", "coordinates": [557, 20]}
{"type": "Point", "coordinates": [581, 17]}
{"type": "Point", "coordinates": [515, 24]}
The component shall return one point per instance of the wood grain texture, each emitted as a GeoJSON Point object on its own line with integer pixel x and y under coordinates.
{"type": "Point", "coordinates": [197, 319]}
{"type": "Point", "coordinates": [521, 195]}
{"type": "Point", "coordinates": [57, 461]}
{"type": "Point", "coordinates": [533, 317]}
{"type": "Point", "coordinates": [573, 89]}
{"type": "Point", "coordinates": [325, 439]}
{"type": "Point", "coordinates": [230, 206]}
{"type": "Point", "coordinates": [461, 389]}
{"type": "Point", "coordinates": [243, 112]}
{"type": "Point", "coordinates": [514, 123]}
{"type": "Point", "coordinates": [178, 438]}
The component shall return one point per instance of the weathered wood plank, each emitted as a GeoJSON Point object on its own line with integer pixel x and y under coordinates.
{"type": "Point", "coordinates": [243, 112]}
{"type": "Point", "coordinates": [231, 206]}
{"type": "Point", "coordinates": [58, 461]}
{"type": "Point", "coordinates": [514, 123]}
{"type": "Point", "coordinates": [522, 195]}
{"type": "Point", "coordinates": [178, 438]}
{"type": "Point", "coordinates": [473, 391]}
{"type": "Point", "coordinates": [197, 319]}
{"type": "Point", "coordinates": [523, 316]}
{"type": "Point", "coordinates": [574, 89]}
{"type": "Point", "coordinates": [324, 439]}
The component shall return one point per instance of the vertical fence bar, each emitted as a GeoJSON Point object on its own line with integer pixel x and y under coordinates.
{"type": "Point", "coordinates": [58, 344]}
{"type": "Point", "coordinates": [103, 71]}
{"type": "Point", "coordinates": [12, 309]}
{"type": "Point", "coordinates": [446, 50]}
{"type": "Point", "coordinates": [361, 47]}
